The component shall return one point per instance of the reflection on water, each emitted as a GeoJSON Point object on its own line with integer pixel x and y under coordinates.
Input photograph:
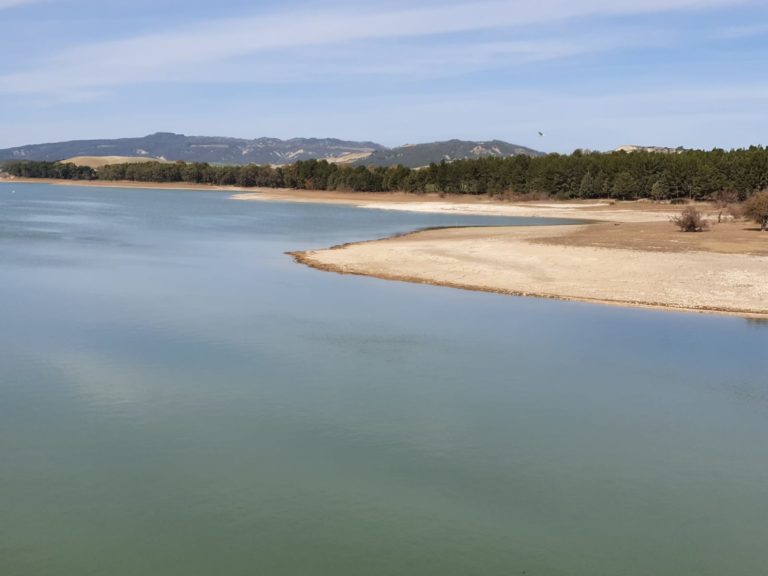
{"type": "Point", "coordinates": [178, 397]}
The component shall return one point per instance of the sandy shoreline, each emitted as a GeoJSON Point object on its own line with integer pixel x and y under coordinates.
{"type": "Point", "coordinates": [123, 184]}
{"type": "Point", "coordinates": [529, 261]}
{"type": "Point", "coordinates": [469, 205]}
{"type": "Point", "coordinates": [631, 255]}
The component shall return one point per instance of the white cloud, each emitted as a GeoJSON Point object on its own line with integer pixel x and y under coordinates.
{"type": "Point", "coordinates": [174, 55]}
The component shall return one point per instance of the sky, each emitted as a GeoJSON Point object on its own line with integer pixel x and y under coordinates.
{"type": "Point", "coordinates": [590, 74]}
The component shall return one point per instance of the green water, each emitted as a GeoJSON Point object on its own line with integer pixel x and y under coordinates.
{"type": "Point", "coordinates": [177, 397]}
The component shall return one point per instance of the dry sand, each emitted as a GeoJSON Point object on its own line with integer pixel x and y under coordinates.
{"type": "Point", "coordinates": [630, 255]}
{"type": "Point", "coordinates": [475, 205]}
{"type": "Point", "coordinates": [540, 261]}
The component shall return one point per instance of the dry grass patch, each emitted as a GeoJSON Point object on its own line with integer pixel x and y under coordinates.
{"type": "Point", "coordinates": [97, 162]}
{"type": "Point", "coordinates": [735, 237]}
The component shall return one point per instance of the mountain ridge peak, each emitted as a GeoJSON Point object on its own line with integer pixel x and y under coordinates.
{"type": "Point", "coordinates": [266, 150]}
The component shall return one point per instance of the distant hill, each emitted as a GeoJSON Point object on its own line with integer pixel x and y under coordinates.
{"type": "Point", "coordinates": [417, 155]}
{"type": "Point", "coordinates": [220, 150]}
{"type": "Point", "coordinates": [216, 150]}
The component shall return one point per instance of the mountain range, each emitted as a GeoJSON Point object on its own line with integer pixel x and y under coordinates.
{"type": "Point", "coordinates": [221, 150]}
{"type": "Point", "coordinates": [415, 155]}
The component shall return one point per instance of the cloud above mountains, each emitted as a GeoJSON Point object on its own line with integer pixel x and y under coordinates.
{"type": "Point", "coordinates": [592, 73]}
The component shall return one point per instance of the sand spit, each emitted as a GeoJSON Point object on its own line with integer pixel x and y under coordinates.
{"type": "Point", "coordinates": [538, 261]}
{"type": "Point", "coordinates": [630, 255]}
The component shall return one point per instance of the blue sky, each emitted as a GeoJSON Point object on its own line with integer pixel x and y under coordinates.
{"type": "Point", "coordinates": [591, 74]}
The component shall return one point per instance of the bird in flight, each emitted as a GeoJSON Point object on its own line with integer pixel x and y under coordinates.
{"type": "Point", "coordinates": [541, 133]}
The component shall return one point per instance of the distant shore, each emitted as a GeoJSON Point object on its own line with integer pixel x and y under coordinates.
{"type": "Point", "coordinates": [123, 184]}
{"type": "Point", "coordinates": [478, 205]}
{"type": "Point", "coordinates": [631, 255]}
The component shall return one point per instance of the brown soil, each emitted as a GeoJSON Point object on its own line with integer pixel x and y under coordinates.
{"type": "Point", "coordinates": [735, 237]}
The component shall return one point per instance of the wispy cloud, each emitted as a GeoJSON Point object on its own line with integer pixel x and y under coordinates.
{"type": "Point", "coordinates": [606, 72]}
{"type": "Point", "coordinates": [734, 32]}
{"type": "Point", "coordinates": [704, 114]}
{"type": "Point", "coordinates": [178, 54]}
{"type": "Point", "coordinates": [12, 3]}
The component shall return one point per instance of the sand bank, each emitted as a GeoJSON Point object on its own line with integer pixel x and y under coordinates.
{"type": "Point", "coordinates": [631, 255]}
{"type": "Point", "coordinates": [545, 262]}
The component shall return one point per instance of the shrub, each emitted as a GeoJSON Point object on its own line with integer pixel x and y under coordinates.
{"type": "Point", "coordinates": [756, 208]}
{"type": "Point", "coordinates": [690, 220]}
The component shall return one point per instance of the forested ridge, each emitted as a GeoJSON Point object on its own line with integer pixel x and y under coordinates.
{"type": "Point", "coordinates": [689, 174]}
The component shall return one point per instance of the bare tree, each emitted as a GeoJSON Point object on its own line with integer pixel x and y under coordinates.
{"type": "Point", "coordinates": [724, 199]}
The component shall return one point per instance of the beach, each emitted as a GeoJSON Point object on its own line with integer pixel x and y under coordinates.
{"type": "Point", "coordinates": [541, 261]}
{"type": "Point", "coordinates": [627, 254]}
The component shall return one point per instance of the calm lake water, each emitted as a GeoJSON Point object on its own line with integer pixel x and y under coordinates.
{"type": "Point", "coordinates": [177, 397]}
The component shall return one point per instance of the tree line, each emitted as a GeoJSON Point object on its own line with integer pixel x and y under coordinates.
{"type": "Point", "coordinates": [691, 174]}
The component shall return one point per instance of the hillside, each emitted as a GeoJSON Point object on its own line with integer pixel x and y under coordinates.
{"type": "Point", "coordinates": [219, 150]}
{"type": "Point", "coordinates": [417, 155]}
{"type": "Point", "coordinates": [216, 150]}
